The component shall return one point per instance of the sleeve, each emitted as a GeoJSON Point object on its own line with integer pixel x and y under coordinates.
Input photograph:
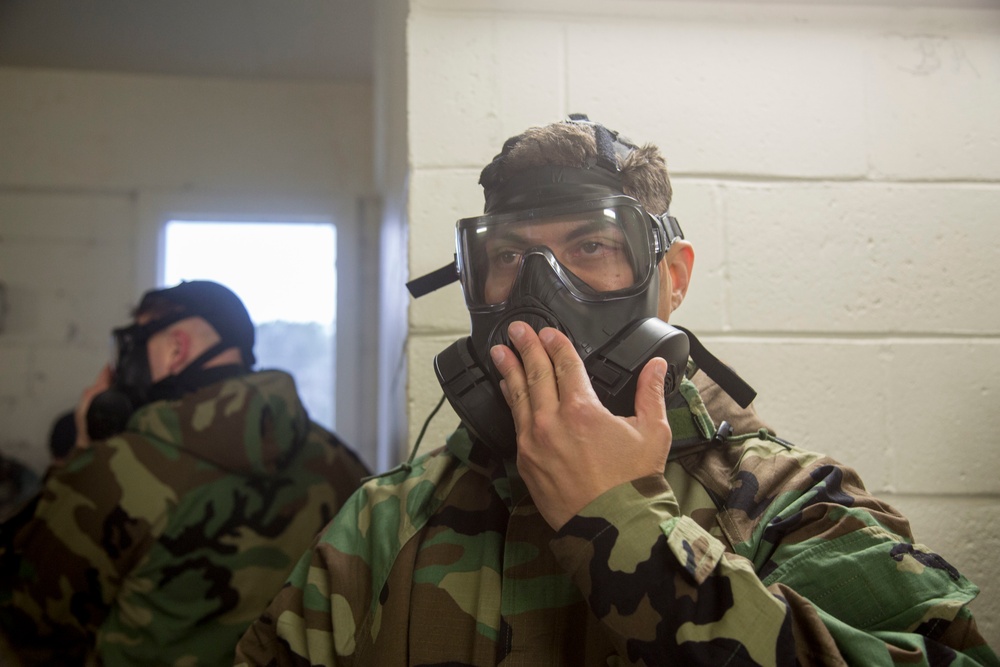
{"type": "Point", "coordinates": [336, 604]}
{"type": "Point", "coordinates": [61, 567]}
{"type": "Point", "coordinates": [832, 588]}
{"type": "Point", "coordinates": [314, 618]}
{"type": "Point", "coordinates": [296, 626]}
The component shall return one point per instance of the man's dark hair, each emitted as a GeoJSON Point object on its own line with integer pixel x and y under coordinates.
{"type": "Point", "coordinates": [572, 144]}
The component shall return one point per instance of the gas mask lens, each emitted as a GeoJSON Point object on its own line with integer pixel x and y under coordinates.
{"type": "Point", "coordinates": [131, 360]}
{"type": "Point", "coordinates": [599, 249]}
{"type": "Point", "coordinates": [124, 342]}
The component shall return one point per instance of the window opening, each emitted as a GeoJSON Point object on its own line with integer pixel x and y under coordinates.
{"type": "Point", "coordinates": [286, 275]}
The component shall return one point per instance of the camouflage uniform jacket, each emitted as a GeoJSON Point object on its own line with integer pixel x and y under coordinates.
{"type": "Point", "coordinates": [161, 545]}
{"type": "Point", "coordinates": [746, 551]}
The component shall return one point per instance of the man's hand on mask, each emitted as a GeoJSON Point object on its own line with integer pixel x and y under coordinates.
{"type": "Point", "coordinates": [103, 382]}
{"type": "Point", "coordinates": [570, 448]}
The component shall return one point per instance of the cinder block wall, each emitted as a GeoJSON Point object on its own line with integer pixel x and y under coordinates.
{"type": "Point", "coordinates": [838, 172]}
{"type": "Point", "coordinates": [80, 152]}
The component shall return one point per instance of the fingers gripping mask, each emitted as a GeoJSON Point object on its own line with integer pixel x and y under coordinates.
{"type": "Point", "coordinates": [584, 261]}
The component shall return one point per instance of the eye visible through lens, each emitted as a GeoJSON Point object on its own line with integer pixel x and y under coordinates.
{"type": "Point", "coordinates": [595, 250]}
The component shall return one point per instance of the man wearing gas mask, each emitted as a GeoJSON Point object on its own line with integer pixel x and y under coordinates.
{"type": "Point", "coordinates": [607, 499]}
{"type": "Point", "coordinates": [195, 485]}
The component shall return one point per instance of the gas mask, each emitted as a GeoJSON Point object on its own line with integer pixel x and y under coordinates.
{"type": "Point", "coordinates": [133, 386]}
{"type": "Point", "coordinates": [567, 250]}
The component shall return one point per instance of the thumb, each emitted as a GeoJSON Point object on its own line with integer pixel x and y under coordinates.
{"type": "Point", "coordinates": [650, 404]}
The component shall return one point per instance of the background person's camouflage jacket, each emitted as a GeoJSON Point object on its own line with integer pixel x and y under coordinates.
{"type": "Point", "coordinates": [747, 552]}
{"type": "Point", "coordinates": [161, 545]}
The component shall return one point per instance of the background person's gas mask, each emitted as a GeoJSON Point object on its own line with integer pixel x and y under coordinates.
{"type": "Point", "coordinates": [110, 410]}
{"type": "Point", "coordinates": [576, 255]}
{"type": "Point", "coordinates": [133, 385]}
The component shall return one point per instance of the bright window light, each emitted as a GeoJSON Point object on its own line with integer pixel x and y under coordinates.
{"type": "Point", "coordinates": [285, 273]}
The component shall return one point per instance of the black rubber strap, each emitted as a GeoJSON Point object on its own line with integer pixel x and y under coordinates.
{"type": "Point", "coordinates": [673, 228]}
{"type": "Point", "coordinates": [605, 148]}
{"type": "Point", "coordinates": [426, 284]}
{"type": "Point", "coordinates": [724, 376]}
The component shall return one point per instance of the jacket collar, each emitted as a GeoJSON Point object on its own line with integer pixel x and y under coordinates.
{"type": "Point", "coordinates": [691, 423]}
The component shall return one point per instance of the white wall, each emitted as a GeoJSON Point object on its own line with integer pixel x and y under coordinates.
{"type": "Point", "coordinates": [838, 172]}
{"type": "Point", "coordinates": [391, 177]}
{"type": "Point", "coordinates": [80, 153]}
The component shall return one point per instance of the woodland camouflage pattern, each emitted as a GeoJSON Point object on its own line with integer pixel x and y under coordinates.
{"type": "Point", "coordinates": [747, 551]}
{"type": "Point", "coordinates": [161, 545]}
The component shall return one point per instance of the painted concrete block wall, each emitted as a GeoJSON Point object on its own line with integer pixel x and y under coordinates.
{"type": "Point", "coordinates": [391, 154]}
{"type": "Point", "coordinates": [79, 152]}
{"type": "Point", "coordinates": [837, 170]}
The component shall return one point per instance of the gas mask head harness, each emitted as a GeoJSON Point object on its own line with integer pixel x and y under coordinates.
{"type": "Point", "coordinates": [559, 247]}
{"type": "Point", "coordinates": [133, 386]}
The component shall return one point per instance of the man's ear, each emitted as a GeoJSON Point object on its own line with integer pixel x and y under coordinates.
{"type": "Point", "coordinates": [180, 350]}
{"type": "Point", "coordinates": [679, 261]}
